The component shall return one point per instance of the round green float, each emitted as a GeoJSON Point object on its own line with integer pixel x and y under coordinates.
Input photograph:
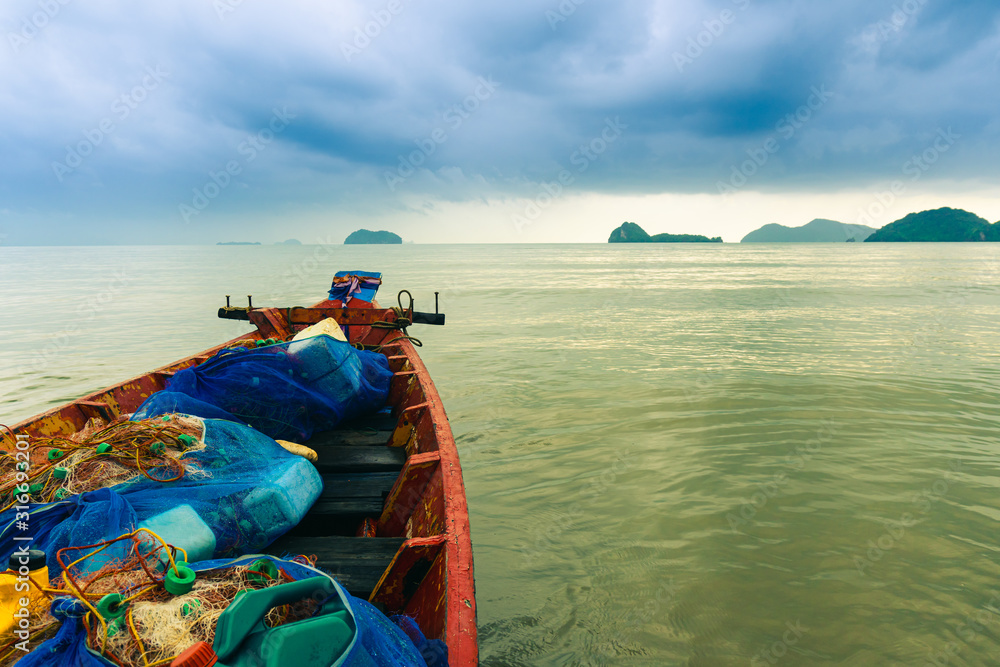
{"type": "Point", "coordinates": [262, 571]}
{"type": "Point", "coordinates": [191, 608]}
{"type": "Point", "coordinates": [112, 606]}
{"type": "Point", "coordinates": [181, 581]}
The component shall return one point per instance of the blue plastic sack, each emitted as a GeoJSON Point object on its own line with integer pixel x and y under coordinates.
{"type": "Point", "coordinates": [287, 390]}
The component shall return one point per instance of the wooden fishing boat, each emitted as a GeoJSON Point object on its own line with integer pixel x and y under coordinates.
{"type": "Point", "coordinates": [392, 522]}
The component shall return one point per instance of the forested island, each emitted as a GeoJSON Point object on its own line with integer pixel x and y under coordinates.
{"type": "Point", "coordinates": [365, 236]}
{"type": "Point", "coordinates": [936, 226]}
{"type": "Point", "coordinates": [819, 230]}
{"type": "Point", "coordinates": [630, 232]}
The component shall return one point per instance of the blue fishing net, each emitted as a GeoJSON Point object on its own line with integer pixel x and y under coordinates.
{"type": "Point", "coordinates": [244, 487]}
{"type": "Point", "coordinates": [69, 647]}
{"type": "Point", "coordinates": [434, 651]}
{"type": "Point", "coordinates": [380, 642]}
{"type": "Point", "coordinates": [168, 402]}
{"type": "Point", "coordinates": [287, 390]}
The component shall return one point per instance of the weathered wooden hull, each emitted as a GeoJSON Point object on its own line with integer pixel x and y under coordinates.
{"type": "Point", "coordinates": [430, 574]}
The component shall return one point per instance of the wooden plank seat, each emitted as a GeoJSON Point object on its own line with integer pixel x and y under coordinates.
{"type": "Point", "coordinates": [358, 446]}
{"type": "Point", "coordinates": [343, 459]}
{"type": "Point", "coordinates": [357, 562]}
{"type": "Point", "coordinates": [361, 437]}
{"type": "Point", "coordinates": [380, 421]}
{"type": "Point", "coordinates": [347, 499]}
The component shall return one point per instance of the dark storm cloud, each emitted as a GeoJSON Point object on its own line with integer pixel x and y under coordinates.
{"type": "Point", "coordinates": [456, 101]}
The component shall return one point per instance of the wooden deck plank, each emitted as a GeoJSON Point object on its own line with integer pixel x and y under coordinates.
{"type": "Point", "coordinates": [349, 438]}
{"type": "Point", "coordinates": [347, 499]}
{"type": "Point", "coordinates": [357, 562]}
{"type": "Point", "coordinates": [347, 459]}
{"type": "Point", "coordinates": [358, 485]}
{"type": "Point", "coordinates": [381, 421]}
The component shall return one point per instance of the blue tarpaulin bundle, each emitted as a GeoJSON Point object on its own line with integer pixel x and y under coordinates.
{"type": "Point", "coordinates": [287, 390]}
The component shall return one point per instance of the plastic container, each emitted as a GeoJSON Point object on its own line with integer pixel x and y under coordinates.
{"type": "Point", "coordinates": [276, 507]}
{"type": "Point", "coordinates": [328, 366]}
{"type": "Point", "coordinates": [243, 640]}
{"type": "Point", "coordinates": [15, 589]}
{"type": "Point", "coordinates": [182, 527]}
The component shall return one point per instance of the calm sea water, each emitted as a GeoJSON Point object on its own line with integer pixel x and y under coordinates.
{"type": "Point", "coordinates": [674, 455]}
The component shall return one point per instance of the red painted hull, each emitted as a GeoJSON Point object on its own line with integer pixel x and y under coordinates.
{"type": "Point", "coordinates": [427, 505]}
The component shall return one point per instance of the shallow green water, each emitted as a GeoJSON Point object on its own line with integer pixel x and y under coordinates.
{"type": "Point", "coordinates": [673, 454]}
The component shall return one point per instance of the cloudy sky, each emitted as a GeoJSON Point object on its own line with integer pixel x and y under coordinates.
{"type": "Point", "coordinates": [193, 121]}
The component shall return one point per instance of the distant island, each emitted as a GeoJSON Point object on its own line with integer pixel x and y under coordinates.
{"type": "Point", "coordinates": [238, 243]}
{"type": "Point", "coordinates": [630, 232]}
{"type": "Point", "coordinates": [818, 231]}
{"type": "Point", "coordinates": [365, 236]}
{"type": "Point", "coordinates": [939, 225]}
{"type": "Point", "coordinates": [289, 242]}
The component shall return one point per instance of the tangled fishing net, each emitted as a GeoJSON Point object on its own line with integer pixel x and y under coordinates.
{"type": "Point", "coordinates": [100, 456]}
